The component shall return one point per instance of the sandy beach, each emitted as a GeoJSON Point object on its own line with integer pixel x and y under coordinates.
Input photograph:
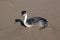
{"type": "Point", "coordinates": [11, 10]}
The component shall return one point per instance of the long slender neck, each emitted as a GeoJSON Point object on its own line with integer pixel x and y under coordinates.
{"type": "Point", "coordinates": [25, 19]}
{"type": "Point", "coordinates": [25, 22]}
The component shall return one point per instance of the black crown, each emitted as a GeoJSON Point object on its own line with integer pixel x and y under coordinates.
{"type": "Point", "coordinates": [23, 12]}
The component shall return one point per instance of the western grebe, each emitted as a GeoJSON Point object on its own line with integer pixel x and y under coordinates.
{"type": "Point", "coordinates": [34, 20]}
{"type": "Point", "coordinates": [39, 21]}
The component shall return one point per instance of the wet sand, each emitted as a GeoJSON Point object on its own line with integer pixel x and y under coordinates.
{"type": "Point", "coordinates": [10, 10]}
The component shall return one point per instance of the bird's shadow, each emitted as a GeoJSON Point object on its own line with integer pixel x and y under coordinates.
{"type": "Point", "coordinates": [21, 22]}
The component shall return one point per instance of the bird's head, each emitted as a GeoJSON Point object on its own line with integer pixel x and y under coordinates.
{"type": "Point", "coordinates": [23, 13]}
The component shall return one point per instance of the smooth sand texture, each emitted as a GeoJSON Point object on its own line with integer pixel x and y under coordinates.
{"type": "Point", "coordinates": [9, 11]}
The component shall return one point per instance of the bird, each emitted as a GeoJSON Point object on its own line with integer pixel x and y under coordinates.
{"type": "Point", "coordinates": [33, 21]}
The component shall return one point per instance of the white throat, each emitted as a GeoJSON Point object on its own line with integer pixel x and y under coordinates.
{"type": "Point", "coordinates": [25, 21]}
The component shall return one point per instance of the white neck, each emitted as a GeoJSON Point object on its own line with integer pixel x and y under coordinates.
{"type": "Point", "coordinates": [25, 21]}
